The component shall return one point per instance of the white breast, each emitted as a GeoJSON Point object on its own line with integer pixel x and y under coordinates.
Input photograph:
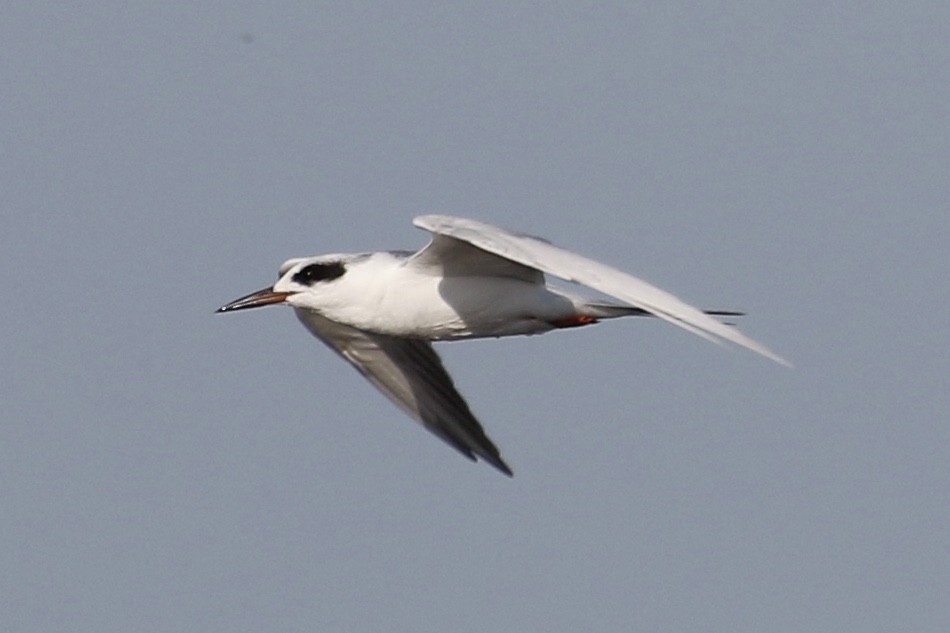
{"type": "Point", "coordinates": [379, 294]}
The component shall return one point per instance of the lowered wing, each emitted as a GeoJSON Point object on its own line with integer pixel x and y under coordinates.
{"type": "Point", "coordinates": [410, 373]}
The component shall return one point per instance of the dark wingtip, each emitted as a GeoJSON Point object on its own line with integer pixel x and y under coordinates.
{"type": "Point", "coordinates": [491, 456]}
{"type": "Point", "coordinates": [499, 465]}
{"type": "Point", "coordinates": [503, 467]}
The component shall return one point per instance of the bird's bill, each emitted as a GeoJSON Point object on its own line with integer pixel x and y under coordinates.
{"type": "Point", "coordinates": [264, 297]}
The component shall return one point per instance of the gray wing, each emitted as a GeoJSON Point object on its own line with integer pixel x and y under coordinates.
{"type": "Point", "coordinates": [540, 255]}
{"type": "Point", "coordinates": [410, 373]}
{"type": "Point", "coordinates": [447, 256]}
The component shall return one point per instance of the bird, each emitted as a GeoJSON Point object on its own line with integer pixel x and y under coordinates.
{"type": "Point", "coordinates": [381, 311]}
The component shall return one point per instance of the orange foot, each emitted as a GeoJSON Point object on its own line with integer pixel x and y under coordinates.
{"type": "Point", "coordinates": [574, 321]}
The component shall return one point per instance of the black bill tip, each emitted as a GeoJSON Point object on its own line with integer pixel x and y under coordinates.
{"type": "Point", "coordinates": [258, 299]}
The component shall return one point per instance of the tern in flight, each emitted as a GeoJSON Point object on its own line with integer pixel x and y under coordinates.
{"type": "Point", "coordinates": [381, 311]}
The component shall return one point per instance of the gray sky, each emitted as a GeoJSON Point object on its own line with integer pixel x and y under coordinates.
{"type": "Point", "coordinates": [163, 468]}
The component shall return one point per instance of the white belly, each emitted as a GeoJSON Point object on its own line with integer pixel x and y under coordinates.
{"type": "Point", "coordinates": [481, 307]}
{"type": "Point", "coordinates": [380, 294]}
{"type": "Point", "coordinates": [456, 307]}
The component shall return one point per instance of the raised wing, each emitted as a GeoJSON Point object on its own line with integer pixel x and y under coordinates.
{"type": "Point", "coordinates": [541, 255]}
{"type": "Point", "coordinates": [410, 373]}
{"type": "Point", "coordinates": [447, 256]}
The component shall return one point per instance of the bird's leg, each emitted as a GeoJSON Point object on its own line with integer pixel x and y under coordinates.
{"type": "Point", "coordinates": [576, 320]}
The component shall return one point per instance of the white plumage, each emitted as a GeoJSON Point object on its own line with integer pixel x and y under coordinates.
{"type": "Point", "coordinates": [380, 311]}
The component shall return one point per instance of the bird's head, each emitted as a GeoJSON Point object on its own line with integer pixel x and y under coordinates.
{"type": "Point", "coordinates": [302, 282]}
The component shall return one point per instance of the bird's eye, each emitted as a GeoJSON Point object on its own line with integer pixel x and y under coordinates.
{"type": "Point", "coordinates": [312, 273]}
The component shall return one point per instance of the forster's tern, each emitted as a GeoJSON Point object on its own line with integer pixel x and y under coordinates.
{"type": "Point", "coordinates": [380, 311]}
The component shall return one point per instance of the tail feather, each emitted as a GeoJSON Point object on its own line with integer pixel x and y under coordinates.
{"type": "Point", "coordinates": [604, 310]}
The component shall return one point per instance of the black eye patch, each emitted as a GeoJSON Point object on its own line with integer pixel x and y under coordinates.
{"type": "Point", "coordinates": [312, 273]}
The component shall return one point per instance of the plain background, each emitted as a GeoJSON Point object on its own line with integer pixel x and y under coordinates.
{"type": "Point", "coordinates": [163, 468]}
